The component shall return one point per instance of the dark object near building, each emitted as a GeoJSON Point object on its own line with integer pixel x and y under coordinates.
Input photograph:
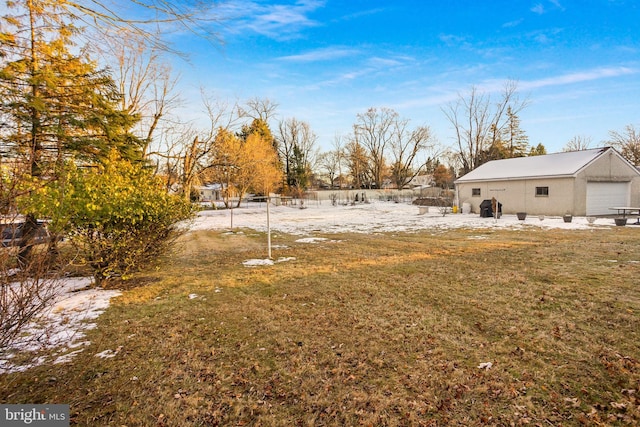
{"type": "Point", "coordinates": [486, 211]}
{"type": "Point", "coordinates": [12, 233]}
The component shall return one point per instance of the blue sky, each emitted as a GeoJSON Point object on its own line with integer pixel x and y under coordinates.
{"type": "Point", "coordinates": [324, 61]}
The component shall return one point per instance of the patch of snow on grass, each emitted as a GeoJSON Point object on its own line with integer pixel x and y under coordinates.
{"type": "Point", "coordinates": [312, 240]}
{"type": "Point", "coordinates": [262, 262]}
{"type": "Point", "coordinates": [68, 357]}
{"type": "Point", "coordinates": [63, 325]}
{"type": "Point", "coordinates": [485, 365]}
{"type": "Point", "coordinates": [107, 354]}
{"type": "Point", "coordinates": [257, 262]}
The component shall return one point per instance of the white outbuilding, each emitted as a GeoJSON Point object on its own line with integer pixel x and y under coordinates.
{"type": "Point", "coordinates": [586, 182]}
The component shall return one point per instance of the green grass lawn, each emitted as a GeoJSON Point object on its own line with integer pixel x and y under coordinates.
{"type": "Point", "coordinates": [373, 330]}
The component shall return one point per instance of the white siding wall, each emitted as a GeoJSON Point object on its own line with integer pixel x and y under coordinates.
{"type": "Point", "coordinates": [520, 195]}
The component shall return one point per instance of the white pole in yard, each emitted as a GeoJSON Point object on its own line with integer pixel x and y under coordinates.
{"type": "Point", "coordinates": [268, 227]}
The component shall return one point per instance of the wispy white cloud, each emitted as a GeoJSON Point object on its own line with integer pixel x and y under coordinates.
{"type": "Point", "coordinates": [497, 85]}
{"type": "Point", "coordinates": [451, 39]}
{"type": "Point", "coordinates": [378, 66]}
{"type": "Point", "coordinates": [325, 54]}
{"type": "Point", "coordinates": [538, 8]}
{"type": "Point", "coordinates": [279, 21]}
{"type": "Point", "coordinates": [362, 13]}
{"type": "Point", "coordinates": [512, 24]}
{"type": "Point", "coordinates": [546, 36]}
{"type": "Point", "coordinates": [379, 62]}
{"type": "Point", "coordinates": [630, 50]}
{"type": "Point", "coordinates": [542, 39]}
{"type": "Point", "coordinates": [338, 80]}
{"type": "Point", "coordinates": [578, 77]}
{"type": "Point", "coordinates": [435, 99]}
{"type": "Point", "coordinates": [557, 4]}
{"type": "Point", "coordinates": [443, 93]}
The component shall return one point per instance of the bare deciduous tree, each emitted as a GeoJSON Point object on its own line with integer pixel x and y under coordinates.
{"type": "Point", "coordinates": [258, 109]}
{"type": "Point", "coordinates": [393, 149]}
{"type": "Point", "coordinates": [329, 163]}
{"type": "Point", "coordinates": [339, 149]}
{"type": "Point", "coordinates": [478, 123]}
{"type": "Point", "coordinates": [628, 142]}
{"type": "Point", "coordinates": [374, 131]}
{"type": "Point", "coordinates": [577, 143]}
{"type": "Point", "coordinates": [146, 85]}
{"type": "Point", "coordinates": [107, 21]}
{"type": "Point", "coordinates": [187, 154]}
{"type": "Point", "coordinates": [297, 150]}
{"type": "Point", "coordinates": [406, 148]}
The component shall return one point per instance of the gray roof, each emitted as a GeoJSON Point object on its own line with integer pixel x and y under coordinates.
{"type": "Point", "coordinates": [550, 165]}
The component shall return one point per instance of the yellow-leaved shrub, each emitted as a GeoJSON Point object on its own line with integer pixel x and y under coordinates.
{"type": "Point", "coordinates": [117, 214]}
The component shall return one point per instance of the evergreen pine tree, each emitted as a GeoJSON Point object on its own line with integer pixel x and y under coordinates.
{"type": "Point", "coordinates": [56, 104]}
{"type": "Point", "coordinates": [515, 140]}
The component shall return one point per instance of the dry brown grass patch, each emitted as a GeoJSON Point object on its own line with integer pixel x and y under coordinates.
{"type": "Point", "coordinates": [367, 330]}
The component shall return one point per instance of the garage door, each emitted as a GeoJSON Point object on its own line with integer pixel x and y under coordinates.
{"type": "Point", "coordinates": [603, 195]}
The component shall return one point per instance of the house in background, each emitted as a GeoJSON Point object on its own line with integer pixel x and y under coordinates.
{"type": "Point", "coordinates": [421, 181]}
{"type": "Point", "coordinates": [586, 182]}
{"type": "Point", "coordinates": [210, 192]}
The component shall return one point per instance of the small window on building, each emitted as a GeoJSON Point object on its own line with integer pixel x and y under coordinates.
{"type": "Point", "coordinates": [475, 192]}
{"type": "Point", "coordinates": [542, 191]}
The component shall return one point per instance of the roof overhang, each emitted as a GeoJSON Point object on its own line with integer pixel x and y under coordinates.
{"type": "Point", "coordinates": [520, 178]}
